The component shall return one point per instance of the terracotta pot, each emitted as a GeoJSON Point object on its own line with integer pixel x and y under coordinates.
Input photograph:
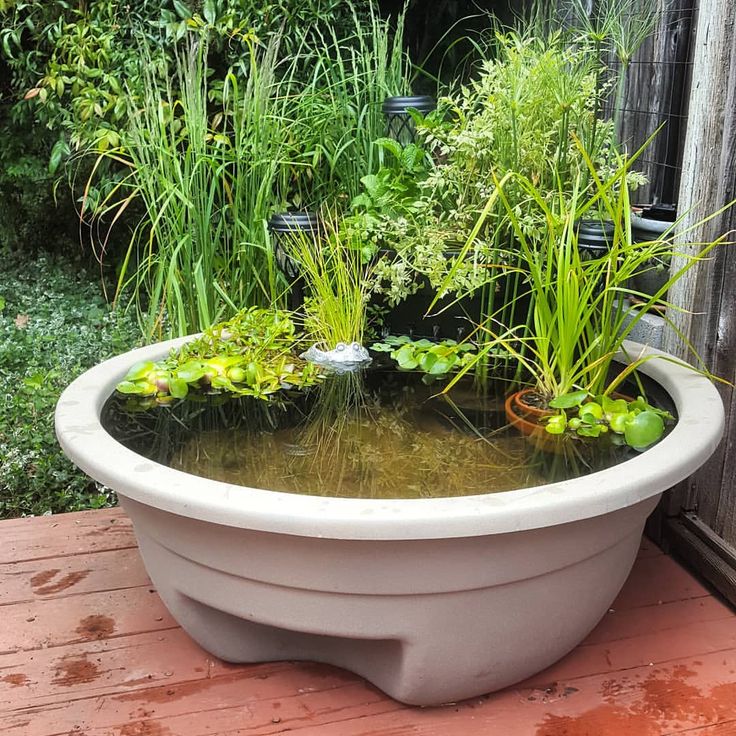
{"type": "Point", "coordinates": [527, 419]}
{"type": "Point", "coordinates": [518, 407]}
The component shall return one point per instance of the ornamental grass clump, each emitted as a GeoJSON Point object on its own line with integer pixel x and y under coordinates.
{"type": "Point", "coordinates": [210, 156]}
{"type": "Point", "coordinates": [336, 282]}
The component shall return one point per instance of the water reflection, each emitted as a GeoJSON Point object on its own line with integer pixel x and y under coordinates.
{"type": "Point", "coordinates": [369, 434]}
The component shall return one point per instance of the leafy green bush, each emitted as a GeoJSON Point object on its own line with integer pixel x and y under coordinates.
{"type": "Point", "coordinates": [70, 75]}
{"type": "Point", "coordinates": [73, 65]}
{"type": "Point", "coordinates": [54, 324]}
{"type": "Point", "coordinates": [209, 174]}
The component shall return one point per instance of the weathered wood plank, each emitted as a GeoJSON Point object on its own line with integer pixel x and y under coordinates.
{"type": "Point", "coordinates": [708, 184]}
{"type": "Point", "coordinates": [704, 170]}
{"type": "Point", "coordinates": [36, 538]}
{"type": "Point", "coordinates": [720, 729]}
{"type": "Point", "coordinates": [647, 548]}
{"type": "Point", "coordinates": [110, 666]}
{"type": "Point", "coordinates": [646, 701]}
{"type": "Point", "coordinates": [622, 624]}
{"type": "Point", "coordinates": [137, 680]}
{"type": "Point", "coordinates": [674, 697]}
{"type": "Point", "coordinates": [658, 580]}
{"type": "Point", "coordinates": [656, 647]}
{"type": "Point", "coordinates": [63, 673]}
{"type": "Point", "coordinates": [97, 615]}
{"type": "Point", "coordinates": [269, 702]}
{"type": "Point", "coordinates": [55, 577]}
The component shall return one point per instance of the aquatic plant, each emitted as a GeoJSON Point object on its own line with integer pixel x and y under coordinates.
{"type": "Point", "coordinates": [252, 354]}
{"type": "Point", "coordinates": [635, 423]}
{"type": "Point", "coordinates": [436, 359]}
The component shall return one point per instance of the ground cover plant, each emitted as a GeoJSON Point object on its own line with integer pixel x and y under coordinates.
{"type": "Point", "coordinates": [54, 324]}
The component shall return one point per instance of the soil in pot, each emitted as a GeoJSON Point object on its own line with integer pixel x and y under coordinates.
{"type": "Point", "coordinates": [377, 434]}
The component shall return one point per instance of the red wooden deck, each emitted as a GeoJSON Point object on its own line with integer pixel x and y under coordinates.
{"type": "Point", "coordinates": [87, 649]}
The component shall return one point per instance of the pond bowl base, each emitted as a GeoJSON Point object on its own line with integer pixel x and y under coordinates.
{"type": "Point", "coordinates": [414, 617]}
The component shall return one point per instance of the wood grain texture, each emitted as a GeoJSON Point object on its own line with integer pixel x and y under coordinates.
{"type": "Point", "coordinates": [40, 537]}
{"type": "Point", "coordinates": [707, 185]}
{"type": "Point", "coordinates": [657, 99]}
{"type": "Point", "coordinates": [112, 663]}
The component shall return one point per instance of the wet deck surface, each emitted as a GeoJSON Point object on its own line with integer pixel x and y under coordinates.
{"type": "Point", "coordinates": [87, 649]}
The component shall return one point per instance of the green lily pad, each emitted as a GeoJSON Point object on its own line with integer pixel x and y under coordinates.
{"type": "Point", "coordinates": [618, 422]}
{"type": "Point", "coordinates": [178, 388]}
{"type": "Point", "coordinates": [591, 411]}
{"type": "Point", "coordinates": [191, 371]}
{"type": "Point", "coordinates": [139, 370]}
{"type": "Point", "coordinates": [557, 424]}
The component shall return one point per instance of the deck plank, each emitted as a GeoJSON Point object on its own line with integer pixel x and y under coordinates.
{"type": "Point", "coordinates": [91, 650]}
{"type": "Point", "coordinates": [85, 572]}
{"type": "Point", "coordinates": [39, 537]}
{"type": "Point", "coordinates": [657, 580]}
{"type": "Point", "coordinates": [96, 615]}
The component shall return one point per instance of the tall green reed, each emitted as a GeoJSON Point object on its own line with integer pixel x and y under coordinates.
{"type": "Point", "coordinates": [285, 133]}
{"type": "Point", "coordinates": [207, 184]}
{"type": "Point", "coordinates": [337, 116]}
{"type": "Point", "coordinates": [579, 319]}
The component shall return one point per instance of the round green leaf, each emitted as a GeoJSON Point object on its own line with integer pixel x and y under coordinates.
{"type": "Point", "coordinates": [643, 429]}
{"type": "Point", "coordinates": [557, 424]}
{"type": "Point", "coordinates": [139, 370]}
{"type": "Point", "coordinates": [591, 411]}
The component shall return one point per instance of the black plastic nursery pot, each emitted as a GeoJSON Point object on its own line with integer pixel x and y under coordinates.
{"type": "Point", "coordinates": [292, 224]}
{"type": "Point", "coordinates": [399, 123]}
{"type": "Point", "coordinates": [653, 221]}
{"type": "Point", "coordinates": [448, 318]}
{"type": "Point", "coordinates": [594, 238]}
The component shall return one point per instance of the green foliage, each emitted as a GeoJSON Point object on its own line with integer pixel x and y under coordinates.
{"type": "Point", "coordinates": [331, 266]}
{"type": "Point", "coordinates": [72, 76]}
{"type": "Point", "coordinates": [199, 251]}
{"type": "Point", "coordinates": [54, 324]}
{"type": "Point", "coordinates": [635, 423]}
{"type": "Point", "coordinates": [521, 114]}
{"type": "Point", "coordinates": [208, 176]}
{"type": "Point", "coordinates": [75, 65]}
{"type": "Point", "coordinates": [29, 214]}
{"type": "Point", "coordinates": [393, 190]}
{"type": "Point", "coordinates": [252, 354]}
{"type": "Point", "coordinates": [436, 359]}
{"type": "Point", "coordinates": [578, 319]}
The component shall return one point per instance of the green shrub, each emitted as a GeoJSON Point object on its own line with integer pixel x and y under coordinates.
{"type": "Point", "coordinates": [54, 324]}
{"type": "Point", "coordinates": [70, 74]}
{"type": "Point", "coordinates": [72, 65]}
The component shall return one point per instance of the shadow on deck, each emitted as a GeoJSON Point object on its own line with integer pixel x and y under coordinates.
{"type": "Point", "coordinates": [87, 649]}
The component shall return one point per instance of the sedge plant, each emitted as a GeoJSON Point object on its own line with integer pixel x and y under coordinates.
{"type": "Point", "coordinates": [579, 319]}
{"type": "Point", "coordinates": [336, 282]}
{"type": "Point", "coordinates": [205, 182]}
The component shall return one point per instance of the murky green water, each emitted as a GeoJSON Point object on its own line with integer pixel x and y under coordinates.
{"type": "Point", "coordinates": [378, 434]}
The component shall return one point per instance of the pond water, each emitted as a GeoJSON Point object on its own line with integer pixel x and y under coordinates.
{"type": "Point", "coordinates": [375, 434]}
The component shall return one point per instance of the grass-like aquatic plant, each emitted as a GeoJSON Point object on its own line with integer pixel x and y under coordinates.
{"type": "Point", "coordinates": [198, 253]}
{"type": "Point", "coordinates": [579, 319]}
{"type": "Point", "coordinates": [212, 157]}
{"type": "Point", "coordinates": [336, 284]}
